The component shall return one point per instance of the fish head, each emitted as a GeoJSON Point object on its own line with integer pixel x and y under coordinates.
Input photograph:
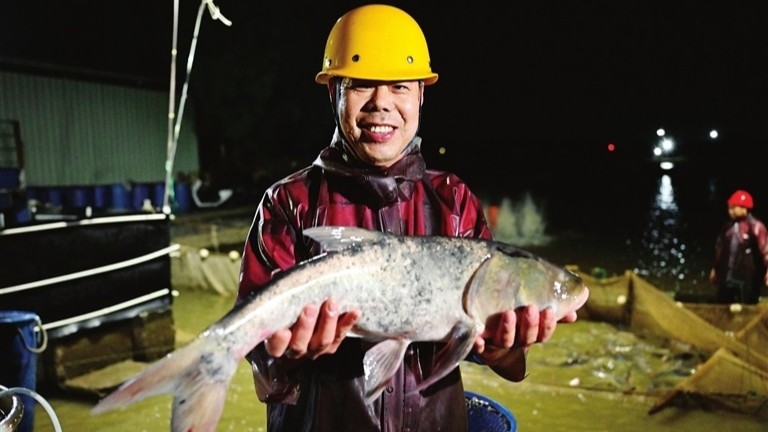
{"type": "Point", "coordinates": [511, 278]}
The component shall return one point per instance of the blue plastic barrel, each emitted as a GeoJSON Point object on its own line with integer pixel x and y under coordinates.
{"type": "Point", "coordinates": [158, 194]}
{"type": "Point", "coordinates": [182, 197]}
{"type": "Point", "coordinates": [77, 197]}
{"type": "Point", "coordinates": [100, 196]}
{"type": "Point", "coordinates": [9, 178]}
{"type": "Point", "coordinates": [120, 197]}
{"type": "Point", "coordinates": [55, 196]}
{"type": "Point", "coordinates": [139, 192]}
{"type": "Point", "coordinates": [22, 216]}
{"type": "Point", "coordinates": [34, 193]}
{"type": "Point", "coordinates": [19, 347]}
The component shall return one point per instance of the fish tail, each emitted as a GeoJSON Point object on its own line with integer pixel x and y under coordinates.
{"type": "Point", "coordinates": [198, 405]}
{"type": "Point", "coordinates": [198, 377]}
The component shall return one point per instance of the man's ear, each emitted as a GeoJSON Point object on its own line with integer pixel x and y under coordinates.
{"type": "Point", "coordinates": [332, 83]}
{"type": "Point", "coordinates": [421, 90]}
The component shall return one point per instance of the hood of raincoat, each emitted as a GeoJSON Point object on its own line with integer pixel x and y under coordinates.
{"type": "Point", "coordinates": [384, 186]}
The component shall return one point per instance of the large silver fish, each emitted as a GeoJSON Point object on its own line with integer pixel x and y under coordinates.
{"type": "Point", "coordinates": [407, 289]}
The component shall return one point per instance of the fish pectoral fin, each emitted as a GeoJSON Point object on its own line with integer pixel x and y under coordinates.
{"type": "Point", "coordinates": [380, 363]}
{"type": "Point", "coordinates": [460, 343]}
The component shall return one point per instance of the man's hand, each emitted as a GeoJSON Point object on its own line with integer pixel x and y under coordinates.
{"type": "Point", "coordinates": [507, 336]}
{"type": "Point", "coordinates": [318, 330]}
{"type": "Point", "coordinates": [521, 327]}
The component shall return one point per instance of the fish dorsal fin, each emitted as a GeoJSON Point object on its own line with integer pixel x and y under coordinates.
{"type": "Point", "coordinates": [335, 238]}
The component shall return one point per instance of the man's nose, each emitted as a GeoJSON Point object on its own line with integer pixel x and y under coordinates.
{"type": "Point", "coordinates": [381, 97]}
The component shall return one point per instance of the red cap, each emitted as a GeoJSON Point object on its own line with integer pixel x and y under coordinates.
{"type": "Point", "coordinates": [741, 198]}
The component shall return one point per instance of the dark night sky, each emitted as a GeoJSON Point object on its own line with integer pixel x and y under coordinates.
{"type": "Point", "coordinates": [536, 85]}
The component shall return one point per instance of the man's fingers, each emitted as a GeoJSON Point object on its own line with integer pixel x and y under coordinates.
{"type": "Point", "coordinates": [479, 345]}
{"type": "Point", "coordinates": [347, 320]}
{"type": "Point", "coordinates": [278, 343]}
{"type": "Point", "coordinates": [569, 317]}
{"type": "Point", "coordinates": [547, 324]}
{"type": "Point", "coordinates": [528, 326]}
{"type": "Point", "coordinates": [325, 330]}
{"type": "Point", "coordinates": [505, 332]}
{"type": "Point", "coordinates": [302, 331]}
{"type": "Point", "coordinates": [318, 330]}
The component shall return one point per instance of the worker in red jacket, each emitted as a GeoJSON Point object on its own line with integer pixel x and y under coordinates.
{"type": "Point", "coordinates": [372, 175]}
{"type": "Point", "coordinates": [740, 267]}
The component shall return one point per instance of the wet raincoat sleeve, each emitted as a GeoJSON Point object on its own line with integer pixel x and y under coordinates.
{"type": "Point", "coordinates": [761, 239]}
{"type": "Point", "coordinates": [270, 248]}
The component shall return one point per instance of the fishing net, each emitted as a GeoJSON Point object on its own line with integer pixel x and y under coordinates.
{"type": "Point", "coordinates": [733, 339]}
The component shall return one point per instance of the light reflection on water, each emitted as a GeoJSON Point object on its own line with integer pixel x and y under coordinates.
{"type": "Point", "coordinates": [661, 226]}
{"type": "Point", "coordinates": [663, 243]}
{"type": "Point", "coordinates": [543, 402]}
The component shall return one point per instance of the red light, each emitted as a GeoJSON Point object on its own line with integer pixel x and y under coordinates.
{"type": "Point", "coordinates": [611, 147]}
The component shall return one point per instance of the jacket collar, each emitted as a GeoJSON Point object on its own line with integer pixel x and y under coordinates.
{"type": "Point", "coordinates": [386, 186]}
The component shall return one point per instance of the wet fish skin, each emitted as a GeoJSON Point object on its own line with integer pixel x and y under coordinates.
{"type": "Point", "coordinates": [407, 289]}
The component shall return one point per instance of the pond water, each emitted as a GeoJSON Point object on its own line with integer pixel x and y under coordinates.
{"type": "Point", "coordinates": [547, 400]}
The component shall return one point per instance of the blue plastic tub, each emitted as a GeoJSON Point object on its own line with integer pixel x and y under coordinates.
{"type": "Point", "coordinates": [19, 347]}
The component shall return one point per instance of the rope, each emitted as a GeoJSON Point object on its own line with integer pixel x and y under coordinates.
{"type": "Point", "coordinates": [4, 392]}
{"type": "Point", "coordinates": [40, 330]}
{"type": "Point", "coordinates": [174, 128]}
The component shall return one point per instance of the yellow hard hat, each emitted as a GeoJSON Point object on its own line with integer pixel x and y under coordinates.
{"type": "Point", "coordinates": [376, 42]}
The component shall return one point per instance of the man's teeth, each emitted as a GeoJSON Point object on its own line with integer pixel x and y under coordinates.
{"type": "Point", "coordinates": [381, 129]}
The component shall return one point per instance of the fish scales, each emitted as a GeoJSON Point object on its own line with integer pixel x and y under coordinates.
{"type": "Point", "coordinates": [386, 280]}
{"type": "Point", "coordinates": [406, 289]}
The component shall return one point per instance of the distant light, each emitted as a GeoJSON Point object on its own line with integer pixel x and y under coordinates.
{"type": "Point", "coordinates": [666, 166]}
{"type": "Point", "coordinates": [667, 145]}
{"type": "Point", "coordinates": [657, 151]}
{"type": "Point", "coordinates": [611, 147]}
{"type": "Point", "coordinates": [441, 150]}
{"type": "Point", "coordinates": [660, 132]}
{"type": "Point", "coordinates": [713, 134]}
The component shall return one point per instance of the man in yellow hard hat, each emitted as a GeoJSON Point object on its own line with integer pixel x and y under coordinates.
{"type": "Point", "coordinates": [372, 175]}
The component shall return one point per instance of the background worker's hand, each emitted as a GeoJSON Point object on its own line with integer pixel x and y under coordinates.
{"type": "Point", "coordinates": [318, 330]}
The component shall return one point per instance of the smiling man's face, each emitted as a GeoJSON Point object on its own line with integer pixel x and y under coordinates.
{"type": "Point", "coordinates": [379, 118]}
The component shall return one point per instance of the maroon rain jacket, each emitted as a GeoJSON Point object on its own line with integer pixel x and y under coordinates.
{"type": "Point", "coordinates": [741, 258]}
{"type": "Point", "coordinates": [407, 199]}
